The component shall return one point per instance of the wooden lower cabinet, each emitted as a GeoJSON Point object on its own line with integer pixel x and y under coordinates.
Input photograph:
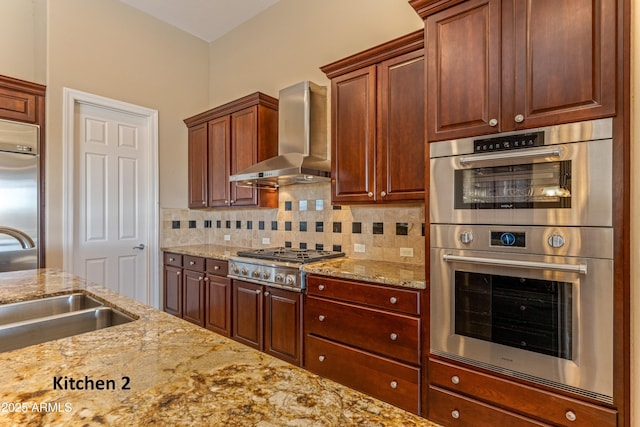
{"type": "Point", "coordinates": [365, 336]}
{"type": "Point", "coordinates": [172, 294]}
{"type": "Point", "coordinates": [193, 302]}
{"type": "Point", "coordinates": [268, 319]}
{"type": "Point", "coordinates": [218, 302]}
{"type": "Point", "coordinates": [460, 396]}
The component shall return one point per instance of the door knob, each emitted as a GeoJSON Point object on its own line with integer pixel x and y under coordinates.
{"type": "Point", "coordinates": [140, 246]}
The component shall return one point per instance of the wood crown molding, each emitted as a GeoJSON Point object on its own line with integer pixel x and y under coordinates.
{"type": "Point", "coordinates": [391, 49]}
{"type": "Point", "coordinates": [22, 85]}
{"type": "Point", "coordinates": [257, 98]}
{"type": "Point", "coordinates": [429, 7]}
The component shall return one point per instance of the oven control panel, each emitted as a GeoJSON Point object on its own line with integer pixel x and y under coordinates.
{"type": "Point", "coordinates": [510, 142]}
{"type": "Point", "coordinates": [281, 275]}
{"type": "Point", "coordinates": [509, 239]}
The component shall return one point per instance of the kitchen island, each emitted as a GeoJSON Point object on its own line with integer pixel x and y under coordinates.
{"type": "Point", "coordinates": [165, 371]}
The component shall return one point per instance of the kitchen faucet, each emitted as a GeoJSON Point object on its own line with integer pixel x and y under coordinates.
{"type": "Point", "coordinates": [25, 241]}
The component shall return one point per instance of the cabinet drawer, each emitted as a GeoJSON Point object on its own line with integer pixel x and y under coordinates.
{"type": "Point", "coordinates": [526, 400]}
{"type": "Point", "coordinates": [389, 298]}
{"type": "Point", "coordinates": [174, 260]}
{"type": "Point", "coordinates": [393, 335]}
{"type": "Point", "coordinates": [193, 263]}
{"type": "Point", "coordinates": [379, 377]}
{"type": "Point", "coordinates": [451, 409]}
{"type": "Point", "coordinates": [217, 267]}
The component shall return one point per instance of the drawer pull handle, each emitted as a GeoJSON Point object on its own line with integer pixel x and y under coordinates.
{"type": "Point", "coordinates": [394, 384]}
{"type": "Point", "coordinates": [455, 414]}
{"type": "Point", "coordinates": [321, 287]}
{"type": "Point", "coordinates": [393, 300]}
{"type": "Point", "coordinates": [321, 358]}
{"type": "Point", "coordinates": [216, 267]}
{"type": "Point", "coordinates": [321, 318]}
{"type": "Point", "coordinates": [393, 336]}
{"type": "Point", "coordinates": [571, 416]}
{"type": "Point", "coordinates": [455, 379]}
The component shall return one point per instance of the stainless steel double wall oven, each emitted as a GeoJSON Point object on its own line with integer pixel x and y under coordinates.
{"type": "Point", "coordinates": [522, 255]}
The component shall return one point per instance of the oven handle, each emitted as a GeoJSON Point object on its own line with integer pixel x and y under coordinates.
{"type": "Point", "coordinates": [568, 268]}
{"type": "Point", "coordinates": [533, 152]}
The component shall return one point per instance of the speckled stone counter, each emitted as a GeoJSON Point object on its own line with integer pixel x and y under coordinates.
{"type": "Point", "coordinates": [389, 273]}
{"type": "Point", "coordinates": [205, 251]}
{"type": "Point", "coordinates": [166, 371]}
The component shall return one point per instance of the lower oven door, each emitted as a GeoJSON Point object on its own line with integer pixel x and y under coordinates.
{"type": "Point", "coordinates": [545, 319]}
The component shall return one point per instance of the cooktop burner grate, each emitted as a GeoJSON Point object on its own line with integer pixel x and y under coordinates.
{"type": "Point", "coordinates": [290, 254]}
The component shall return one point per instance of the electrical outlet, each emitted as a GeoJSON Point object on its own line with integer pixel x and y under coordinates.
{"type": "Point", "coordinates": [408, 252]}
{"type": "Point", "coordinates": [266, 240]}
{"type": "Point", "coordinates": [357, 247]}
{"type": "Point", "coordinates": [227, 237]}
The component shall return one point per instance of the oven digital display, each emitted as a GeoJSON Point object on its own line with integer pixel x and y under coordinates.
{"type": "Point", "coordinates": [508, 239]}
{"type": "Point", "coordinates": [511, 142]}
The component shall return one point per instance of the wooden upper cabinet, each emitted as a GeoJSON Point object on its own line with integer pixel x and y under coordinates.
{"type": "Point", "coordinates": [226, 140]}
{"type": "Point", "coordinates": [377, 120]}
{"type": "Point", "coordinates": [197, 169]}
{"type": "Point", "coordinates": [497, 66]}
{"type": "Point", "coordinates": [219, 161]}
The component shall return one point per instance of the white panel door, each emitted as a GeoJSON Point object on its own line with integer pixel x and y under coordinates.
{"type": "Point", "coordinates": [112, 199]}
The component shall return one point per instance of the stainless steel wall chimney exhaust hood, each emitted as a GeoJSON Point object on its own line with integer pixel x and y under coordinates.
{"type": "Point", "coordinates": [302, 141]}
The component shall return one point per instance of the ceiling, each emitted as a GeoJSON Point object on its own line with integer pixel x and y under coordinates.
{"type": "Point", "coordinates": [206, 19]}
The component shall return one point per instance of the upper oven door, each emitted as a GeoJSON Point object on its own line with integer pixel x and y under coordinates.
{"type": "Point", "coordinates": [562, 184]}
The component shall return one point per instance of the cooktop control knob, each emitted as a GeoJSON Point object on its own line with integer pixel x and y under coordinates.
{"type": "Point", "coordinates": [235, 268]}
{"type": "Point", "coordinates": [290, 279]}
{"type": "Point", "coordinates": [244, 271]}
{"type": "Point", "coordinates": [265, 274]}
{"type": "Point", "coordinates": [556, 241]}
{"type": "Point", "coordinates": [279, 278]}
{"type": "Point", "coordinates": [466, 237]}
{"type": "Point", "coordinates": [256, 274]}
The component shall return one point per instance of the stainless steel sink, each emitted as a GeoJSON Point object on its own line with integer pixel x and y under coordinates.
{"type": "Point", "coordinates": [33, 309]}
{"type": "Point", "coordinates": [82, 314]}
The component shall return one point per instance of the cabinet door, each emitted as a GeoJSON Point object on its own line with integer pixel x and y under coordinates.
{"type": "Point", "coordinates": [400, 147]}
{"type": "Point", "coordinates": [219, 161]}
{"type": "Point", "coordinates": [463, 70]}
{"type": "Point", "coordinates": [354, 131]}
{"type": "Point", "coordinates": [18, 105]}
{"type": "Point", "coordinates": [193, 297]}
{"type": "Point", "coordinates": [565, 61]}
{"type": "Point", "coordinates": [218, 304]}
{"type": "Point", "coordinates": [247, 314]}
{"type": "Point", "coordinates": [283, 332]}
{"type": "Point", "coordinates": [172, 294]}
{"type": "Point", "coordinates": [197, 164]}
{"type": "Point", "coordinates": [244, 152]}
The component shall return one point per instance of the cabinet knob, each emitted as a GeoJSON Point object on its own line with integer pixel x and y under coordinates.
{"type": "Point", "coordinates": [226, 202]}
{"type": "Point", "coordinates": [383, 193]}
{"type": "Point", "coordinates": [321, 358]}
{"type": "Point", "coordinates": [393, 300]}
{"type": "Point", "coordinates": [571, 416]}
{"type": "Point", "coordinates": [455, 379]}
{"type": "Point", "coordinates": [200, 277]}
{"type": "Point", "coordinates": [204, 203]}
{"type": "Point", "coordinates": [177, 273]}
{"type": "Point", "coordinates": [192, 263]}
{"type": "Point", "coordinates": [393, 336]}
{"type": "Point", "coordinates": [171, 259]}
{"type": "Point", "coordinates": [258, 291]}
{"type": "Point", "coordinates": [216, 267]}
{"type": "Point", "coordinates": [266, 294]}
{"type": "Point", "coordinates": [519, 118]}
{"type": "Point", "coordinates": [206, 279]}
{"type": "Point", "coordinates": [370, 194]}
{"type": "Point", "coordinates": [321, 287]}
{"type": "Point", "coordinates": [393, 384]}
{"type": "Point", "coordinates": [321, 318]}
{"type": "Point", "coordinates": [493, 122]}
{"type": "Point", "coordinates": [455, 414]}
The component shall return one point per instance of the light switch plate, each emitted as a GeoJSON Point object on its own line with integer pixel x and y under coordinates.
{"type": "Point", "coordinates": [227, 237]}
{"type": "Point", "coordinates": [408, 252]}
{"type": "Point", "coordinates": [266, 240]}
{"type": "Point", "coordinates": [357, 247]}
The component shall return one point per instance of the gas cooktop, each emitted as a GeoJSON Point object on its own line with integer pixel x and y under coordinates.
{"type": "Point", "coordinates": [290, 254]}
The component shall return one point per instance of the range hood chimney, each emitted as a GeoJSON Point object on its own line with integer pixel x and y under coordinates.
{"type": "Point", "coordinates": [302, 141]}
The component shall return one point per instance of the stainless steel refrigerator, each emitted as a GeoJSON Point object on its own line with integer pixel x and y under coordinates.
{"type": "Point", "coordinates": [19, 196]}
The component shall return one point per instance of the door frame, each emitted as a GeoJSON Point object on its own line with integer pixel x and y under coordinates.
{"type": "Point", "coordinates": [72, 98]}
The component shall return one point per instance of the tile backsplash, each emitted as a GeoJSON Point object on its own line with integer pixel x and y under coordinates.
{"type": "Point", "coordinates": [305, 218]}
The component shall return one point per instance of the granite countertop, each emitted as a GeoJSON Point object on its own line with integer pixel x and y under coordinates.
{"type": "Point", "coordinates": [175, 373]}
{"type": "Point", "coordinates": [383, 272]}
